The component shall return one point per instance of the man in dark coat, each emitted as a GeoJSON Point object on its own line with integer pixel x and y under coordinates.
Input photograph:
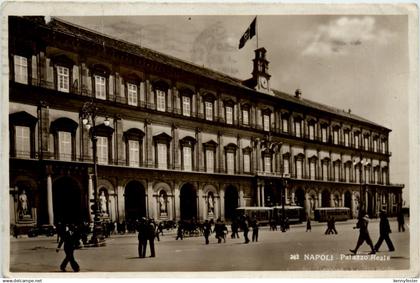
{"type": "Point", "coordinates": [384, 231]}
{"type": "Point", "coordinates": [151, 234]}
{"type": "Point", "coordinates": [400, 219]}
{"type": "Point", "coordinates": [245, 228]}
{"type": "Point", "coordinates": [218, 229]}
{"type": "Point", "coordinates": [142, 237]}
{"type": "Point", "coordinates": [255, 228]}
{"type": "Point", "coordinates": [206, 231]}
{"type": "Point", "coordinates": [362, 225]}
{"type": "Point", "coordinates": [68, 238]}
{"type": "Point", "coordinates": [308, 224]}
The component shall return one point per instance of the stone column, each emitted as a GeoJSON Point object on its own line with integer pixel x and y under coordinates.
{"type": "Point", "coordinates": [204, 207]}
{"type": "Point", "coordinates": [307, 205]}
{"type": "Point", "coordinates": [320, 199]}
{"type": "Point", "coordinates": [258, 195]}
{"type": "Point", "coordinates": [149, 143]}
{"type": "Point", "coordinates": [44, 128]}
{"type": "Point", "coordinates": [342, 200]}
{"type": "Point", "coordinates": [121, 203]}
{"type": "Point", "coordinates": [176, 164]}
{"type": "Point", "coordinates": [332, 204]}
{"type": "Point", "coordinates": [90, 196]}
{"type": "Point", "coordinates": [262, 196]}
{"type": "Point", "coordinates": [239, 159]}
{"type": "Point", "coordinates": [241, 197]}
{"type": "Point", "coordinates": [220, 153]}
{"type": "Point", "coordinates": [151, 204]}
{"type": "Point", "coordinates": [177, 201]}
{"type": "Point", "coordinates": [286, 195]}
{"type": "Point", "coordinates": [199, 154]}
{"type": "Point", "coordinates": [50, 201]}
{"type": "Point", "coordinates": [222, 203]}
{"type": "Point", "coordinates": [119, 151]}
{"type": "Point", "coordinates": [200, 204]}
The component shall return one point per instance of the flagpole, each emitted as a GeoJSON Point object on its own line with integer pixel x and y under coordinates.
{"type": "Point", "coordinates": [256, 23]}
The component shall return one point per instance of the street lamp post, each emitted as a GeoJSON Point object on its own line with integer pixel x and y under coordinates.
{"type": "Point", "coordinates": [283, 200]}
{"type": "Point", "coordinates": [362, 182]}
{"type": "Point", "coordinates": [89, 114]}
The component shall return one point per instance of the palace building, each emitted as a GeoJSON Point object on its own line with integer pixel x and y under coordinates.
{"type": "Point", "coordinates": [182, 141]}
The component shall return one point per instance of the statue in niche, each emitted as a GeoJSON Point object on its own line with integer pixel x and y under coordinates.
{"type": "Point", "coordinates": [103, 202]}
{"type": "Point", "coordinates": [23, 204]}
{"type": "Point", "coordinates": [336, 202]}
{"type": "Point", "coordinates": [211, 204]}
{"type": "Point", "coordinates": [312, 204]}
{"type": "Point", "coordinates": [163, 202]}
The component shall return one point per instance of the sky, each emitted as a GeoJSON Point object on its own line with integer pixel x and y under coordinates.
{"type": "Point", "coordinates": [349, 62]}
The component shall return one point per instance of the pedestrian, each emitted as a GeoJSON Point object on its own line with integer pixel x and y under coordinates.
{"type": "Point", "coordinates": [384, 231]}
{"type": "Point", "coordinates": [255, 229]}
{"type": "Point", "coordinates": [286, 224]}
{"type": "Point", "coordinates": [245, 228]}
{"type": "Point", "coordinates": [308, 224]}
{"type": "Point", "coordinates": [273, 225]}
{"type": "Point", "coordinates": [218, 229]}
{"type": "Point", "coordinates": [142, 237]}
{"type": "Point", "coordinates": [400, 220]}
{"type": "Point", "coordinates": [151, 233]}
{"type": "Point", "coordinates": [333, 225]}
{"type": "Point", "coordinates": [362, 225]}
{"type": "Point", "coordinates": [69, 240]}
{"type": "Point", "coordinates": [206, 231]}
{"type": "Point", "coordinates": [329, 230]}
{"type": "Point", "coordinates": [234, 228]}
{"type": "Point", "coordinates": [179, 232]}
{"type": "Point", "coordinates": [224, 231]}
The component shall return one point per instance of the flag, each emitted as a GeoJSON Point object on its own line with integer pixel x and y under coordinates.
{"type": "Point", "coordinates": [249, 33]}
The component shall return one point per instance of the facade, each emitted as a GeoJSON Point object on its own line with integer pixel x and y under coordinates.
{"type": "Point", "coordinates": [183, 142]}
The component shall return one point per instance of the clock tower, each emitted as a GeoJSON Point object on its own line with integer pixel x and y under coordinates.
{"type": "Point", "coordinates": [260, 74]}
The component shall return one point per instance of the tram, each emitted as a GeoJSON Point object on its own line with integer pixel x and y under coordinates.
{"type": "Point", "coordinates": [322, 214]}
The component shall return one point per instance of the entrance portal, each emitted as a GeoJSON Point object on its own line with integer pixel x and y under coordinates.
{"type": "Point", "coordinates": [231, 202]}
{"type": "Point", "coordinates": [188, 202]}
{"type": "Point", "coordinates": [347, 199]}
{"type": "Point", "coordinates": [135, 201]}
{"type": "Point", "coordinates": [67, 201]}
{"type": "Point", "coordinates": [300, 197]}
{"type": "Point", "coordinates": [326, 202]}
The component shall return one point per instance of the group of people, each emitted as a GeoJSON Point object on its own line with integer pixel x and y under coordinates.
{"type": "Point", "coordinates": [147, 232]}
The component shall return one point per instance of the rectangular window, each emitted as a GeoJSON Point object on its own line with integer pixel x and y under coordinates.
{"type": "Point", "coordinates": [298, 128]}
{"type": "Point", "coordinates": [356, 141]}
{"type": "Point", "coordinates": [245, 116]}
{"type": "Point", "coordinates": [134, 153]}
{"type": "Point", "coordinates": [335, 137]}
{"type": "Point", "coordinates": [366, 143]}
{"type": "Point", "coordinates": [229, 115]}
{"type": "Point", "coordinates": [324, 134]}
{"type": "Point", "coordinates": [376, 176]}
{"type": "Point", "coordinates": [247, 163]}
{"type": "Point", "coordinates": [160, 100]}
{"type": "Point", "coordinates": [187, 158]}
{"type": "Point", "coordinates": [312, 166]}
{"type": "Point", "coordinates": [325, 171]}
{"type": "Point", "coordinates": [285, 125]}
{"type": "Point", "coordinates": [64, 145]}
{"type": "Point", "coordinates": [384, 176]}
{"type": "Point", "coordinates": [186, 106]}
{"type": "Point", "coordinates": [375, 145]}
{"type": "Point", "coordinates": [102, 148]}
{"type": "Point", "coordinates": [100, 87]}
{"type": "Point", "coordinates": [286, 169]}
{"type": "Point", "coordinates": [132, 94]}
{"type": "Point", "coordinates": [347, 172]}
{"type": "Point", "coordinates": [63, 78]}
{"type": "Point", "coordinates": [311, 132]}
{"type": "Point", "coordinates": [346, 138]}
{"type": "Point", "coordinates": [299, 169]}
{"type": "Point", "coordinates": [230, 163]}
{"type": "Point", "coordinates": [209, 110]}
{"type": "Point", "coordinates": [23, 141]}
{"type": "Point", "coordinates": [266, 121]}
{"type": "Point", "coordinates": [383, 146]}
{"type": "Point", "coordinates": [209, 161]}
{"type": "Point", "coordinates": [337, 172]}
{"type": "Point", "coordinates": [162, 156]}
{"type": "Point", "coordinates": [267, 164]}
{"type": "Point", "coordinates": [21, 69]}
{"type": "Point", "coordinates": [357, 173]}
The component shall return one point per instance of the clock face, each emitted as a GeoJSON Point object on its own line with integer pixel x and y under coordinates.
{"type": "Point", "coordinates": [264, 82]}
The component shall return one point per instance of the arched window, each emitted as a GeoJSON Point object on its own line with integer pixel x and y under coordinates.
{"type": "Point", "coordinates": [298, 126]}
{"type": "Point", "coordinates": [325, 169]}
{"type": "Point", "coordinates": [285, 122]}
{"type": "Point", "coordinates": [64, 133]}
{"type": "Point", "coordinates": [22, 134]}
{"type": "Point", "coordinates": [312, 167]}
{"type": "Point", "coordinates": [187, 149]}
{"type": "Point", "coordinates": [336, 135]}
{"type": "Point", "coordinates": [162, 152]}
{"type": "Point", "coordinates": [299, 166]}
{"type": "Point", "coordinates": [209, 155]}
{"type": "Point", "coordinates": [346, 137]}
{"type": "Point", "coordinates": [337, 167]}
{"type": "Point", "coordinates": [311, 129]}
{"type": "Point", "coordinates": [286, 164]}
{"type": "Point", "coordinates": [134, 147]}
{"type": "Point", "coordinates": [324, 132]}
{"type": "Point", "coordinates": [230, 152]}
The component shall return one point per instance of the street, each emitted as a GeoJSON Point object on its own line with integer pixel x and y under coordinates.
{"type": "Point", "coordinates": [275, 251]}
